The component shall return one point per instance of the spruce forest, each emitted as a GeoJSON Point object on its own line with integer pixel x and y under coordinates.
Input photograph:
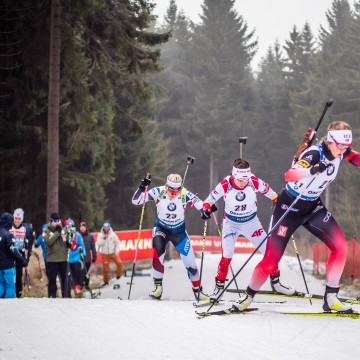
{"type": "Point", "coordinates": [139, 94]}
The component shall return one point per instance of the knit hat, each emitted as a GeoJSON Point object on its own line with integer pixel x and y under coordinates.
{"type": "Point", "coordinates": [55, 217]}
{"type": "Point", "coordinates": [19, 213]}
{"type": "Point", "coordinates": [45, 226]}
{"type": "Point", "coordinates": [6, 220]}
{"type": "Point", "coordinates": [106, 224]}
{"type": "Point", "coordinates": [83, 228]}
{"type": "Point", "coordinates": [69, 222]}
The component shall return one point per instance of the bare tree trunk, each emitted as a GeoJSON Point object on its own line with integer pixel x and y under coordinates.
{"type": "Point", "coordinates": [52, 199]}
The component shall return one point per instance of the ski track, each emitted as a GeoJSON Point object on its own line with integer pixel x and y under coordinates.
{"type": "Point", "coordinates": [108, 328]}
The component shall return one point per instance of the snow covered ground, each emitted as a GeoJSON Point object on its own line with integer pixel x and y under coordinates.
{"type": "Point", "coordinates": [110, 328]}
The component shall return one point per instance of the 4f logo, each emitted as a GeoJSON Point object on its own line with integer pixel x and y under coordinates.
{"type": "Point", "coordinates": [257, 233]}
{"type": "Point", "coordinates": [282, 231]}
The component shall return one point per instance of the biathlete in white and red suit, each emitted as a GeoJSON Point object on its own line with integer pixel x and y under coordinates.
{"type": "Point", "coordinates": [171, 201]}
{"type": "Point", "coordinates": [239, 191]}
{"type": "Point", "coordinates": [322, 161]}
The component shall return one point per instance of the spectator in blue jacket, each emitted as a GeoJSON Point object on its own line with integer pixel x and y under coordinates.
{"type": "Point", "coordinates": [77, 253]}
{"type": "Point", "coordinates": [40, 242]}
{"type": "Point", "coordinates": [8, 254]}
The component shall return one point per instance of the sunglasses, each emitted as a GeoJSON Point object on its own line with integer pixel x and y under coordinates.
{"type": "Point", "coordinates": [341, 146]}
{"type": "Point", "coordinates": [173, 192]}
{"type": "Point", "coordinates": [338, 145]}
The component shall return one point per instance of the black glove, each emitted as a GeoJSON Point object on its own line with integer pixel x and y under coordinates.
{"type": "Point", "coordinates": [145, 182]}
{"type": "Point", "coordinates": [58, 228]}
{"type": "Point", "coordinates": [213, 208]}
{"type": "Point", "coordinates": [68, 242]}
{"type": "Point", "coordinates": [320, 167]}
{"type": "Point", "coordinates": [25, 263]}
{"type": "Point", "coordinates": [206, 214]}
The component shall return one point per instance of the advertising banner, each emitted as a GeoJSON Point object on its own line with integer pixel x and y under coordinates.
{"type": "Point", "coordinates": [128, 240]}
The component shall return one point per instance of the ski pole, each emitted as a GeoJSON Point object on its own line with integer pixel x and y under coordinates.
{"type": "Point", "coordinates": [265, 238]}
{"type": "Point", "coordinates": [138, 239]}
{"type": "Point", "coordinates": [202, 257]}
{"type": "Point", "coordinates": [190, 161]}
{"type": "Point", "coordinates": [231, 268]}
{"type": "Point", "coordinates": [301, 268]}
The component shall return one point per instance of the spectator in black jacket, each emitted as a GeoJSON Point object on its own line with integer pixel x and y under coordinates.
{"type": "Point", "coordinates": [8, 254]}
{"type": "Point", "coordinates": [90, 248]}
{"type": "Point", "coordinates": [24, 239]}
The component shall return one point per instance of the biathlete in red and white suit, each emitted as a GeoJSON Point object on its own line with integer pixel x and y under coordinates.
{"type": "Point", "coordinates": [239, 191]}
{"type": "Point", "coordinates": [171, 201]}
{"type": "Point", "coordinates": [308, 178]}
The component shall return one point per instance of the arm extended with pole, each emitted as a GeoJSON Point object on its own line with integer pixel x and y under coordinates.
{"type": "Point", "coordinates": [139, 234]}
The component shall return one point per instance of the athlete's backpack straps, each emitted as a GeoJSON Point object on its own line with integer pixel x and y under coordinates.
{"type": "Point", "coordinates": [162, 193]}
{"type": "Point", "coordinates": [183, 196]}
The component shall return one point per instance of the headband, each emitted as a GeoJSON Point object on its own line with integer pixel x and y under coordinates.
{"type": "Point", "coordinates": [340, 136]}
{"type": "Point", "coordinates": [241, 174]}
{"type": "Point", "coordinates": [176, 186]}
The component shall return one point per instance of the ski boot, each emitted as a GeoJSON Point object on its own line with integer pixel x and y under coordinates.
{"type": "Point", "coordinates": [157, 292]}
{"type": "Point", "coordinates": [199, 295]}
{"type": "Point", "coordinates": [331, 301]}
{"type": "Point", "coordinates": [245, 300]}
{"type": "Point", "coordinates": [277, 286]}
{"type": "Point", "coordinates": [116, 284]}
{"type": "Point", "coordinates": [219, 287]}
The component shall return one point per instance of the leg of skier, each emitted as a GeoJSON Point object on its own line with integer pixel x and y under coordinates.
{"type": "Point", "coordinates": [324, 226]}
{"type": "Point", "coordinates": [188, 258]}
{"type": "Point", "coordinates": [159, 247]}
{"type": "Point", "coordinates": [254, 231]}
{"type": "Point", "coordinates": [230, 232]}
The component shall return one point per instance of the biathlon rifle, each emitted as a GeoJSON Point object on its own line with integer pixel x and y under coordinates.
{"type": "Point", "coordinates": [310, 134]}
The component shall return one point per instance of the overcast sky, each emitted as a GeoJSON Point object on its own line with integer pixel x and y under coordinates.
{"type": "Point", "coordinates": [272, 19]}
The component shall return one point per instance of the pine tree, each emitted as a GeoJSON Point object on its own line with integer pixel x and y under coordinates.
{"type": "Point", "coordinates": [104, 45]}
{"type": "Point", "coordinates": [225, 95]}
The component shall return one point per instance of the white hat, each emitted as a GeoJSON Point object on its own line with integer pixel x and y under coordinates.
{"type": "Point", "coordinates": [19, 213]}
{"type": "Point", "coordinates": [241, 174]}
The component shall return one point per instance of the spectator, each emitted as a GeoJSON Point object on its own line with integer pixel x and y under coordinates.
{"type": "Point", "coordinates": [91, 254]}
{"type": "Point", "coordinates": [24, 239]}
{"type": "Point", "coordinates": [57, 253]}
{"type": "Point", "coordinates": [109, 247]}
{"type": "Point", "coordinates": [40, 242]}
{"type": "Point", "coordinates": [8, 254]}
{"type": "Point", "coordinates": [77, 254]}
